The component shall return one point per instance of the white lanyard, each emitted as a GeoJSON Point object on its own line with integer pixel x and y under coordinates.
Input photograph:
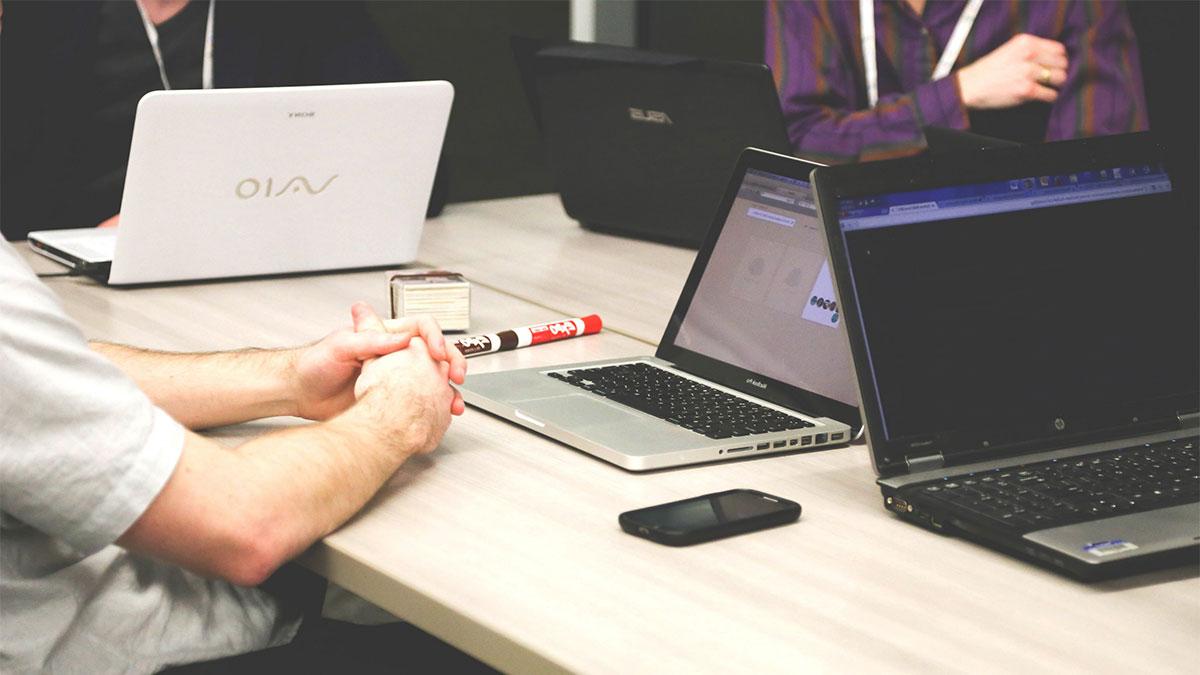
{"type": "Point", "coordinates": [958, 37]}
{"type": "Point", "coordinates": [206, 76]}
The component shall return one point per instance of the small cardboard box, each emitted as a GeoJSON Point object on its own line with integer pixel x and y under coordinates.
{"type": "Point", "coordinates": [446, 296]}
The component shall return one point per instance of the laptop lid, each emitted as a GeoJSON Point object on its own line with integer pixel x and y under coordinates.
{"type": "Point", "coordinates": [944, 139]}
{"type": "Point", "coordinates": [638, 142]}
{"type": "Point", "coordinates": [758, 313]}
{"type": "Point", "coordinates": [1010, 301]}
{"type": "Point", "coordinates": [239, 182]}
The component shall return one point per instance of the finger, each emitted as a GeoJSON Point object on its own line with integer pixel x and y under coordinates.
{"type": "Point", "coordinates": [368, 345]}
{"type": "Point", "coordinates": [402, 325]}
{"type": "Point", "coordinates": [428, 327]}
{"type": "Point", "coordinates": [1046, 77]}
{"type": "Point", "coordinates": [1052, 60]}
{"type": "Point", "coordinates": [458, 365]}
{"type": "Point", "coordinates": [457, 406]}
{"type": "Point", "coordinates": [365, 318]}
{"type": "Point", "coordinates": [416, 343]}
{"type": "Point", "coordinates": [425, 326]}
{"type": "Point", "coordinates": [1034, 47]}
{"type": "Point", "coordinates": [1058, 77]}
{"type": "Point", "coordinates": [1042, 93]}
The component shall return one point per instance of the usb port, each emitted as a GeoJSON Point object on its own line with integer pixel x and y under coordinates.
{"type": "Point", "coordinates": [764, 446]}
{"type": "Point", "coordinates": [807, 440]}
{"type": "Point", "coordinates": [779, 444]}
{"type": "Point", "coordinates": [837, 437]}
{"type": "Point", "coordinates": [821, 438]}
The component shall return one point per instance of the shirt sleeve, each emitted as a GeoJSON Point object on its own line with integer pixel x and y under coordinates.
{"type": "Point", "coordinates": [824, 104]}
{"type": "Point", "coordinates": [1103, 93]}
{"type": "Point", "coordinates": [83, 451]}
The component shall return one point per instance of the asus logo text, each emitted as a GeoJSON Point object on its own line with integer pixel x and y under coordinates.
{"type": "Point", "coordinates": [650, 116]}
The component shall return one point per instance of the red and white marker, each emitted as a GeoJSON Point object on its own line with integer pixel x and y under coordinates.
{"type": "Point", "coordinates": [528, 335]}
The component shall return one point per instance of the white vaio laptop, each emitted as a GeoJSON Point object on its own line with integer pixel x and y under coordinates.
{"type": "Point", "coordinates": [754, 360]}
{"type": "Point", "coordinates": [246, 182]}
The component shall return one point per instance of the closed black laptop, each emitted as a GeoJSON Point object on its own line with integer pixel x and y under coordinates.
{"type": "Point", "coordinates": [1025, 327]}
{"type": "Point", "coordinates": [640, 143]}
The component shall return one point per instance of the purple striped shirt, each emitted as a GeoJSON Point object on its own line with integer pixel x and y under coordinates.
{"type": "Point", "coordinates": [814, 51]}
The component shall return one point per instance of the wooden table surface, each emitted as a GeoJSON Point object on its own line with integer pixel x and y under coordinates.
{"type": "Point", "coordinates": [506, 544]}
{"type": "Point", "coordinates": [528, 247]}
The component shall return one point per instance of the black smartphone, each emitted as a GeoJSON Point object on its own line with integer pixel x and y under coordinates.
{"type": "Point", "coordinates": [708, 517]}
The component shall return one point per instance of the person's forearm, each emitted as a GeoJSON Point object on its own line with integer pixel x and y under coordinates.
{"type": "Point", "coordinates": [312, 479]}
{"type": "Point", "coordinates": [239, 514]}
{"type": "Point", "coordinates": [822, 99]}
{"type": "Point", "coordinates": [271, 498]}
{"type": "Point", "coordinates": [893, 128]}
{"type": "Point", "coordinates": [213, 389]}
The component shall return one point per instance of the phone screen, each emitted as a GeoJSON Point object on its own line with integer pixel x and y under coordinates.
{"type": "Point", "coordinates": [710, 511]}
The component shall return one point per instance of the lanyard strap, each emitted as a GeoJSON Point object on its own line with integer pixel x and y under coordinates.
{"type": "Point", "coordinates": [206, 76]}
{"type": "Point", "coordinates": [958, 37]}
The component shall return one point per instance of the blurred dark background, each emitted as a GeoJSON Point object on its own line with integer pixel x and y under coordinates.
{"type": "Point", "coordinates": [492, 147]}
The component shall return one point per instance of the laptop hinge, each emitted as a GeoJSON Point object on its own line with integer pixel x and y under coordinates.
{"type": "Point", "coordinates": [1189, 420]}
{"type": "Point", "coordinates": [925, 462]}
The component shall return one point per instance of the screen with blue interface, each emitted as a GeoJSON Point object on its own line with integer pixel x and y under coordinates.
{"type": "Point", "coordinates": [1028, 300]}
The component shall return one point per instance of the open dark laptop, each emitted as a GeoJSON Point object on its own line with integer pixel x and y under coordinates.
{"type": "Point", "coordinates": [639, 142]}
{"type": "Point", "coordinates": [940, 140]}
{"type": "Point", "coordinates": [754, 359]}
{"type": "Point", "coordinates": [1025, 326]}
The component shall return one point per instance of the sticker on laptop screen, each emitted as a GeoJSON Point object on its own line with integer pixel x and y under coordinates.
{"type": "Point", "coordinates": [821, 307]}
{"type": "Point", "coordinates": [1103, 548]}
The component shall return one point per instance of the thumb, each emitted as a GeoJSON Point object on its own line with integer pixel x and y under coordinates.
{"type": "Point", "coordinates": [365, 318]}
{"type": "Point", "coordinates": [370, 344]}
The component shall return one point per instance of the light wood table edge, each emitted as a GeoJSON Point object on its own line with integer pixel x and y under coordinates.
{"type": "Point", "coordinates": [462, 632]}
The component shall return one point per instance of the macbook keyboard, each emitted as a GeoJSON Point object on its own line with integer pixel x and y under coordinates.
{"type": "Point", "coordinates": [679, 400]}
{"type": "Point", "coordinates": [1066, 491]}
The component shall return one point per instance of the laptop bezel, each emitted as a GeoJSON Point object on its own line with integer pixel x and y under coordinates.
{"type": "Point", "coordinates": [725, 374]}
{"type": "Point", "coordinates": [831, 184]}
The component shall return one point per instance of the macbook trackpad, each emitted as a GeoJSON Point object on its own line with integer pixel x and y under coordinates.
{"type": "Point", "coordinates": [577, 410]}
{"type": "Point", "coordinates": [608, 424]}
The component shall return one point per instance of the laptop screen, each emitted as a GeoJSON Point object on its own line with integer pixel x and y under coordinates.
{"type": "Point", "coordinates": [1026, 307]}
{"type": "Point", "coordinates": [765, 301]}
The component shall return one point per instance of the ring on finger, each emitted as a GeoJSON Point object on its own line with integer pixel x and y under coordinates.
{"type": "Point", "coordinates": [1044, 76]}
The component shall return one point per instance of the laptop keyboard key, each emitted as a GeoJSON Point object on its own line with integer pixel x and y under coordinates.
{"type": "Point", "coordinates": [680, 401]}
{"type": "Point", "coordinates": [1049, 494]}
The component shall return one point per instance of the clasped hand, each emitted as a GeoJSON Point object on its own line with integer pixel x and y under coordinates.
{"type": "Point", "coordinates": [331, 374]}
{"type": "Point", "coordinates": [1026, 68]}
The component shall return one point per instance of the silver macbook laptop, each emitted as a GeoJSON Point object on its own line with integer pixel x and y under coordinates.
{"type": "Point", "coordinates": [753, 361]}
{"type": "Point", "coordinates": [243, 182]}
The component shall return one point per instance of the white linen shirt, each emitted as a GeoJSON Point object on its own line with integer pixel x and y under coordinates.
{"type": "Point", "coordinates": [83, 453]}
